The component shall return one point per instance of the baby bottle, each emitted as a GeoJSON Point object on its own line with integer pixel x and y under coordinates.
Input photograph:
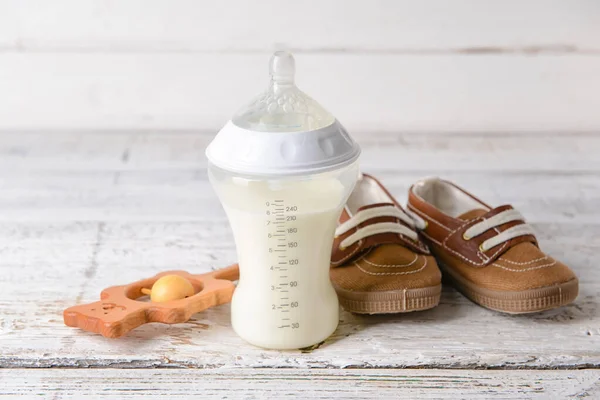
{"type": "Point", "coordinates": [283, 168]}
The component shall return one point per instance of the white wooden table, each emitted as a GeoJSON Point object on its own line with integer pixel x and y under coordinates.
{"type": "Point", "coordinates": [80, 211]}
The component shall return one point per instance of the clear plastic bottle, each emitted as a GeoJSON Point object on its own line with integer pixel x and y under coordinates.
{"type": "Point", "coordinates": [283, 168]}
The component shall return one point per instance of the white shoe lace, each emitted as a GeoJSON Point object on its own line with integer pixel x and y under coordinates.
{"type": "Point", "coordinates": [380, 227]}
{"type": "Point", "coordinates": [495, 221]}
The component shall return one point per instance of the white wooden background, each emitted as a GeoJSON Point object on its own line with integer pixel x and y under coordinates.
{"type": "Point", "coordinates": [106, 108]}
{"type": "Point", "coordinates": [81, 211]}
{"type": "Point", "coordinates": [384, 65]}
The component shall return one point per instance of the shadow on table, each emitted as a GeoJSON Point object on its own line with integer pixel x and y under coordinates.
{"type": "Point", "coordinates": [584, 308]}
{"type": "Point", "coordinates": [454, 307]}
{"type": "Point", "coordinates": [450, 305]}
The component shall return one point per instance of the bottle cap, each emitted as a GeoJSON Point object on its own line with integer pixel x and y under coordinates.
{"type": "Point", "coordinates": [282, 132]}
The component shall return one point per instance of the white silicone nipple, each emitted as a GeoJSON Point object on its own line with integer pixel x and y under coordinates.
{"type": "Point", "coordinates": [283, 107]}
{"type": "Point", "coordinates": [282, 68]}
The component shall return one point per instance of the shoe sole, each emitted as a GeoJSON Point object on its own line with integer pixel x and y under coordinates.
{"type": "Point", "coordinates": [389, 302]}
{"type": "Point", "coordinates": [521, 302]}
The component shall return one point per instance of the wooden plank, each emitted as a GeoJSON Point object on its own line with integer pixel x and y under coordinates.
{"type": "Point", "coordinates": [86, 211]}
{"type": "Point", "coordinates": [376, 92]}
{"type": "Point", "coordinates": [330, 25]}
{"type": "Point", "coordinates": [308, 384]}
{"type": "Point", "coordinates": [70, 263]}
{"type": "Point", "coordinates": [186, 196]}
{"type": "Point", "coordinates": [167, 151]}
{"type": "Point", "coordinates": [161, 176]}
{"type": "Point", "coordinates": [150, 245]}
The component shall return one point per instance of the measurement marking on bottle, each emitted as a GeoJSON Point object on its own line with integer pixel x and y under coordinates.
{"type": "Point", "coordinates": [283, 234]}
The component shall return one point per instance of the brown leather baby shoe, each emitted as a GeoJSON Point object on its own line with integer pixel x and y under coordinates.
{"type": "Point", "coordinates": [490, 254]}
{"type": "Point", "coordinates": [379, 264]}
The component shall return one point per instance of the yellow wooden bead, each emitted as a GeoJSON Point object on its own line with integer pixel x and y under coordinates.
{"type": "Point", "coordinates": [171, 287]}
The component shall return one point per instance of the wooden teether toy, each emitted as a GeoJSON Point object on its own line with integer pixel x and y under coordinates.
{"type": "Point", "coordinates": [170, 287]}
{"type": "Point", "coordinates": [175, 296]}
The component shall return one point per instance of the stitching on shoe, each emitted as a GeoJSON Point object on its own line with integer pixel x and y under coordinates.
{"type": "Point", "coordinates": [523, 263]}
{"type": "Point", "coordinates": [501, 248]}
{"type": "Point", "coordinates": [481, 258]}
{"type": "Point", "coordinates": [343, 259]}
{"type": "Point", "coordinates": [485, 257]}
{"type": "Point", "coordinates": [454, 231]}
{"type": "Point", "coordinates": [389, 265]}
{"type": "Point", "coordinates": [484, 260]}
{"type": "Point", "coordinates": [524, 269]}
{"type": "Point", "coordinates": [422, 214]}
{"type": "Point", "coordinates": [479, 254]}
{"type": "Point", "coordinates": [452, 251]}
{"type": "Point", "coordinates": [393, 273]}
{"type": "Point", "coordinates": [498, 251]}
{"type": "Point", "coordinates": [417, 244]}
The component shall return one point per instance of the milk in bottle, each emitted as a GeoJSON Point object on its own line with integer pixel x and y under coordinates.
{"type": "Point", "coordinates": [283, 169]}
